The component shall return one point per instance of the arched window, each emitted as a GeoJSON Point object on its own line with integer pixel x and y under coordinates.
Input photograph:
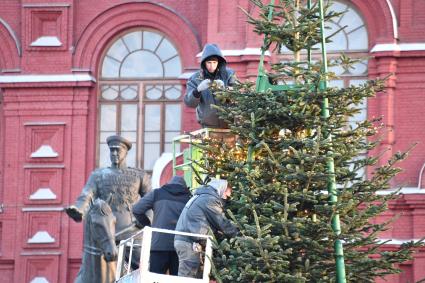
{"type": "Point", "coordinates": [140, 96]}
{"type": "Point", "coordinates": [352, 40]}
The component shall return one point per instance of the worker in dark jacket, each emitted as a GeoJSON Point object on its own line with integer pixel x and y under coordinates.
{"type": "Point", "coordinates": [202, 213]}
{"type": "Point", "coordinates": [198, 90]}
{"type": "Point", "coordinates": [167, 203]}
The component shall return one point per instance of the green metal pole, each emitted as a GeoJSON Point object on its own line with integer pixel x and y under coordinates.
{"type": "Point", "coordinates": [174, 158]}
{"type": "Point", "coordinates": [332, 191]}
{"type": "Point", "coordinates": [262, 79]}
{"type": "Point", "coordinates": [309, 49]}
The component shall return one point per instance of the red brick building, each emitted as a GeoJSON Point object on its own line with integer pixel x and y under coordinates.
{"type": "Point", "coordinates": [73, 72]}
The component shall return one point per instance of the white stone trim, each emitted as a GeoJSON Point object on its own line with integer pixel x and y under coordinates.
{"type": "Point", "coordinates": [31, 253]}
{"type": "Point", "coordinates": [44, 151]}
{"type": "Point", "coordinates": [240, 52]}
{"type": "Point", "coordinates": [403, 191]}
{"type": "Point", "coordinates": [394, 18]}
{"type": "Point", "coordinates": [43, 194]}
{"type": "Point", "coordinates": [41, 237]}
{"type": "Point", "coordinates": [47, 78]}
{"type": "Point", "coordinates": [39, 279]}
{"type": "Point", "coordinates": [419, 46]}
{"type": "Point", "coordinates": [29, 166]}
{"type": "Point", "coordinates": [159, 167]}
{"type": "Point", "coordinates": [13, 35]}
{"type": "Point", "coordinates": [46, 5]}
{"type": "Point", "coordinates": [44, 123]}
{"type": "Point", "coordinates": [29, 209]}
{"type": "Point", "coordinates": [52, 41]}
{"type": "Point", "coordinates": [397, 242]}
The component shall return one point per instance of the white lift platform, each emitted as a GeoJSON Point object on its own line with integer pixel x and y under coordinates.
{"type": "Point", "coordinates": [124, 274]}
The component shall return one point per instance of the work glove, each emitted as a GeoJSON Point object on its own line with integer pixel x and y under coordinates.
{"type": "Point", "coordinates": [205, 84]}
{"type": "Point", "coordinates": [219, 84]}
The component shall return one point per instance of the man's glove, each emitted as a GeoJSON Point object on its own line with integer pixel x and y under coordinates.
{"type": "Point", "coordinates": [74, 213]}
{"type": "Point", "coordinates": [219, 84]}
{"type": "Point", "coordinates": [204, 85]}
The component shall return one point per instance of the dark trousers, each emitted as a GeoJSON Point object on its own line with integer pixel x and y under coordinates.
{"type": "Point", "coordinates": [161, 261]}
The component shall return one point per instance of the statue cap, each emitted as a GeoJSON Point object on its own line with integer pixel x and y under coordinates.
{"type": "Point", "coordinates": [114, 141]}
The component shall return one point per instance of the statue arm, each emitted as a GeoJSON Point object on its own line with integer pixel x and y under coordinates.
{"type": "Point", "coordinates": [146, 185]}
{"type": "Point", "coordinates": [78, 210]}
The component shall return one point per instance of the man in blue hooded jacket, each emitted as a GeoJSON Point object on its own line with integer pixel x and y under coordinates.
{"type": "Point", "coordinates": [198, 90]}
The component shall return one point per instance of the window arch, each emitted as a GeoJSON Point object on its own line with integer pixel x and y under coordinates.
{"type": "Point", "coordinates": [140, 96]}
{"type": "Point", "coordinates": [141, 54]}
{"type": "Point", "coordinates": [352, 40]}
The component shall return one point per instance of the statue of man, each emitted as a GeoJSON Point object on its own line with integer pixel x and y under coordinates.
{"type": "Point", "coordinates": [120, 186]}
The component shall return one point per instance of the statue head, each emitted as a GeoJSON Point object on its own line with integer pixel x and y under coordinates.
{"type": "Point", "coordinates": [118, 148]}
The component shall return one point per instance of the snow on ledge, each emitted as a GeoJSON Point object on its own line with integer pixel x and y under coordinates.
{"type": "Point", "coordinates": [47, 41]}
{"type": "Point", "coordinates": [403, 191]}
{"type": "Point", "coordinates": [397, 242]}
{"type": "Point", "coordinates": [47, 78]}
{"type": "Point", "coordinates": [44, 151]}
{"type": "Point", "coordinates": [41, 237]}
{"type": "Point", "coordinates": [240, 52]}
{"type": "Point", "coordinates": [39, 279]}
{"type": "Point", "coordinates": [420, 46]}
{"type": "Point", "coordinates": [43, 194]}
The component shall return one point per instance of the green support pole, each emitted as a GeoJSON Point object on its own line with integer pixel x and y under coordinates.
{"type": "Point", "coordinates": [309, 49]}
{"type": "Point", "coordinates": [262, 82]}
{"type": "Point", "coordinates": [332, 191]}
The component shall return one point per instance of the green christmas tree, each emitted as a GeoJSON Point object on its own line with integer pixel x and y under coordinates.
{"type": "Point", "coordinates": [278, 167]}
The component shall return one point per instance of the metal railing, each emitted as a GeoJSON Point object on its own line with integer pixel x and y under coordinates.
{"type": "Point", "coordinates": [142, 274]}
{"type": "Point", "coordinates": [192, 155]}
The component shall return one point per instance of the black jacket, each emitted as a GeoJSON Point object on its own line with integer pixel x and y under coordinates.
{"type": "Point", "coordinates": [204, 211]}
{"type": "Point", "coordinates": [167, 203]}
{"type": "Point", "coordinates": [205, 114]}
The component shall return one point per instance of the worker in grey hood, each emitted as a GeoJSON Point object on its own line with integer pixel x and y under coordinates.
{"type": "Point", "coordinates": [201, 214]}
{"type": "Point", "coordinates": [198, 89]}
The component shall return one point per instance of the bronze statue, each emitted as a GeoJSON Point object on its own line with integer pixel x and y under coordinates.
{"type": "Point", "coordinates": [100, 251]}
{"type": "Point", "coordinates": [119, 186]}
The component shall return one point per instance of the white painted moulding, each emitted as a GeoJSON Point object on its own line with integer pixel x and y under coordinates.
{"type": "Point", "coordinates": [43, 194]}
{"type": "Point", "coordinates": [41, 237]}
{"type": "Point", "coordinates": [382, 47]}
{"type": "Point", "coordinates": [403, 191]}
{"type": "Point", "coordinates": [397, 242]}
{"type": "Point", "coordinates": [393, 18]}
{"type": "Point", "coordinates": [44, 151]}
{"type": "Point", "coordinates": [47, 208]}
{"type": "Point", "coordinates": [47, 78]}
{"type": "Point", "coordinates": [51, 41]}
{"type": "Point", "coordinates": [39, 279]}
{"type": "Point", "coordinates": [240, 52]}
{"type": "Point", "coordinates": [159, 167]}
